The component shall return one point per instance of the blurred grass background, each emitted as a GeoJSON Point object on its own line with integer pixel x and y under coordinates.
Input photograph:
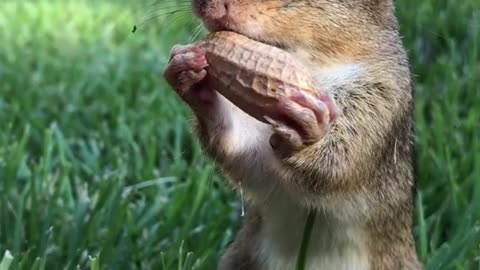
{"type": "Point", "coordinates": [98, 169]}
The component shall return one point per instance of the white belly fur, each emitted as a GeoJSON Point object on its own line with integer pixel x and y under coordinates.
{"type": "Point", "coordinates": [333, 246]}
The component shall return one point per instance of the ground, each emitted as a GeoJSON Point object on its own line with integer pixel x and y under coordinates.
{"type": "Point", "coordinates": [98, 168]}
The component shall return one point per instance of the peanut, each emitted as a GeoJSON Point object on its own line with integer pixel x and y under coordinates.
{"type": "Point", "coordinates": [253, 75]}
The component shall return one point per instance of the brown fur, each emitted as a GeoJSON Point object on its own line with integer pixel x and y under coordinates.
{"type": "Point", "coordinates": [367, 152]}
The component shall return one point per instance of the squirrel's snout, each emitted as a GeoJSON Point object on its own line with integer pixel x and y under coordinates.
{"type": "Point", "coordinates": [211, 9]}
{"type": "Point", "coordinates": [216, 14]}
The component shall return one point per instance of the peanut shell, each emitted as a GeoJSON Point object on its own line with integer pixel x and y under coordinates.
{"type": "Point", "coordinates": [254, 75]}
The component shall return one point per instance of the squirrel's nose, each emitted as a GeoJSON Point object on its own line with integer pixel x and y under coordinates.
{"type": "Point", "coordinates": [211, 9]}
{"type": "Point", "coordinates": [226, 5]}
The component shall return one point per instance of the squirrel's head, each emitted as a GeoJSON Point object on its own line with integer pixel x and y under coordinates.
{"type": "Point", "coordinates": [332, 26]}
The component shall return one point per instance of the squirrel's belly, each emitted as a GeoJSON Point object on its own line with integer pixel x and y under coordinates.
{"type": "Point", "coordinates": [333, 244]}
{"type": "Point", "coordinates": [340, 263]}
{"type": "Point", "coordinates": [331, 256]}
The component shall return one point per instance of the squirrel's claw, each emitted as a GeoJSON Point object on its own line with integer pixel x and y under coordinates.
{"type": "Point", "coordinates": [303, 121]}
{"type": "Point", "coordinates": [185, 72]}
{"type": "Point", "coordinates": [284, 139]}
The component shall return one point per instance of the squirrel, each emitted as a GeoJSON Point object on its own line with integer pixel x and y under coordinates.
{"type": "Point", "coordinates": [357, 175]}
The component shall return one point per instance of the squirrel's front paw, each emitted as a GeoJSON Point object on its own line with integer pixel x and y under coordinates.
{"type": "Point", "coordinates": [185, 72]}
{"type": "Point", "coordinates": [304, 121]}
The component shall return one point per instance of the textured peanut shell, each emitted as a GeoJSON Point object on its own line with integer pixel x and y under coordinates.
{"type": "Point", "coordinates": [253, 75]}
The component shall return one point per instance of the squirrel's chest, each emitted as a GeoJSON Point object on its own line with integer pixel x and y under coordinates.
{"type": "Point", "coordinates": [333, 246]}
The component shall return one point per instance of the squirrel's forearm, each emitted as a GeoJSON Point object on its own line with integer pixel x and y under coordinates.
{"type": "Point", "coordinates": [229, 135]}
{"type": "Point", "coordinates": [356, 142]}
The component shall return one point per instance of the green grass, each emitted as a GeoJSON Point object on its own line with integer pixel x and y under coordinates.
{"type": "Point", "coordinates": [98, 169]}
